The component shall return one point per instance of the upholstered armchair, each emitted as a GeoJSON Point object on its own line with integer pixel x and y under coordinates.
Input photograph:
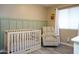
{"type": "Point", "coordinates": [49, 37]}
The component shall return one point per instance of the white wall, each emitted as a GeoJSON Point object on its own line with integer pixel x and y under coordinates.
{"type": "Point", "coordinates": [27, 11]}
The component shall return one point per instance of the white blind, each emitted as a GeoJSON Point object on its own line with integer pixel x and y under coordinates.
{"type": "Point", "coordinates": [69, 18]}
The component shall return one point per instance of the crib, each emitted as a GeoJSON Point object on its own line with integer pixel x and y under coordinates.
{"type": "Point", "coordinates": [22, 41]}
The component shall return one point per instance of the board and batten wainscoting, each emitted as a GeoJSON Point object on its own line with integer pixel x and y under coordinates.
{"type": "Point", "coordinates": [18, 23]}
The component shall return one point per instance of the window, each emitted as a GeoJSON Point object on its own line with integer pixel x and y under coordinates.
{"type": "Point", "coordinates": [69, 18]}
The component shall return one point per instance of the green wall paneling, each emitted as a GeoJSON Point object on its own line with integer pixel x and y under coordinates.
{"type": "Point", "coordinates": [33, 25]}
{"type": "Point", "coordinates": [41, 24]}
{"type": "Point", "coordinates": [12, 24]}
{"type": "Point", "coordinates": [44, 23]}
{"type": "Point", "coordinates": [37, 24]}
{"type": "Point", "coordinates": [0, 33]}
{"type": "Point", "coordinates": [25, 24]}
{"type": "Point", "coordinates": [19, 24]}
{"type": "Point", "coordinates": [4, 24]}
{"type": "Point", "coordinates": [3, 28]}
{"type": "Point", "coordinates": [28, 24]}
{"type": "Point", "coordinates": [1, 40]}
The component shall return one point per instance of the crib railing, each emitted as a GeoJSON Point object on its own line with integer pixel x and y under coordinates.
{"type": "Point", "coordinates": [19, 41]}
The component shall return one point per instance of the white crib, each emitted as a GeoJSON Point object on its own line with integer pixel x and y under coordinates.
{"type": "Point", "coordinates": [22, 41]}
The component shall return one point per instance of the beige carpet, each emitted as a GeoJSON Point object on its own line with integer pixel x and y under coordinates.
{"type": "Point", "coordinates": [61, 49]}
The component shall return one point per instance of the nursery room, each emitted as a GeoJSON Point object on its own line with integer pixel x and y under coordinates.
{"type": "Point", "coordinates": [39, 28]}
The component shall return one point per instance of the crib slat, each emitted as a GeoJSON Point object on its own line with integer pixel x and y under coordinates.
{"type": "Point", "coordinates": [30, 39]}
{"type": "Point", "coordinates": [24, 41]}
{"type": "Point", "coordinates": [20, 40]}
{"type": "Point", "coordinates": [8, 43]}
{"type": "Point", "coordinates": [27, 40]}
{"type": "Point", "coordinates": [11, 43]}
{"type": "Point", "coordinates": [17, 42]}
{"type": "Point", "coordinates": [33, 39]}
{"type": "Point", "coordinates": [14, 43]}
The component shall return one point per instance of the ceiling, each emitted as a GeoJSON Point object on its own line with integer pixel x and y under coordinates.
{"type": "Point", "coordinates": [49, 5]}
{"type": "Point", "coordinates": [54, 5]}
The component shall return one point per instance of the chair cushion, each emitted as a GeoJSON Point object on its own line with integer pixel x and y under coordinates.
{"type": "Point", "coordinates": [48, 29]}
{"type": "Point", "coordinates": [49, 34]}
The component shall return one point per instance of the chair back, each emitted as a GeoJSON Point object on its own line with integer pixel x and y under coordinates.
{"type": "Point", "coordinates": [48, 29]}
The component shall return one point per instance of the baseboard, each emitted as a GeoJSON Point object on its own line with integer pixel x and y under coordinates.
{"type": "Point", "coordinates": [66, 44]}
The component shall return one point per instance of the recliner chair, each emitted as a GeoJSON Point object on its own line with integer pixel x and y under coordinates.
{"type": "Point", "coordinates": [49, 37]}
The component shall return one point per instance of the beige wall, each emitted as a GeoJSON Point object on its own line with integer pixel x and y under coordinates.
{"type": "Point", "coordinates": [51, 22]}
{"type": "Point", "coordinates": [34, 12]}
